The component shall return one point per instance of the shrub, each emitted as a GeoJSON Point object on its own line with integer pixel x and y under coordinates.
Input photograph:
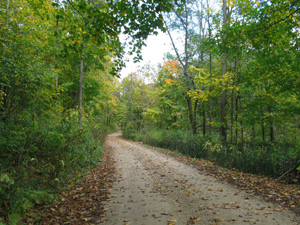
{"type": "Point", "coordinates": [39, 157]}
{"type": "Point", "coordinates": [266, 159]}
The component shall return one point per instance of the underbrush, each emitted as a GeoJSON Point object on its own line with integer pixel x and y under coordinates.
{"type": "Point", "coordinates": [272, 159]}
{"type": "Point", "coordinates": [40, 157]}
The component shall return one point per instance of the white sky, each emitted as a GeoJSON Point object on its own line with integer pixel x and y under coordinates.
{"type": "Point", "coordinates": [153, 53]}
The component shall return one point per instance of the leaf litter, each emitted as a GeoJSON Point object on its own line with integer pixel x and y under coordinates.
{"type": "Point", "coordinates": [269, 189]}
{"type": "Point", "coordinates": [85, 203]}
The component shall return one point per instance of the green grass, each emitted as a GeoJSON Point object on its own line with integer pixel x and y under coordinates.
{"type": "Point", "coordinates": [271, 159]}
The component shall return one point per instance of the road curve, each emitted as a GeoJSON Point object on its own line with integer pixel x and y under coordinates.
{"type": "Point", "coordinates": [152, 188]}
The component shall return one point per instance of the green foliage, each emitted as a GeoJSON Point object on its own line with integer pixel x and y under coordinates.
{"type": "Point", "coordinates": [181, 141]}
{"type": "Point", "coordinates": [14, 219]}
{"type": "Point", "coordinates": [42, 46]}
{"type": "Point", "coordinates": [38, 158]}
{"type": "Point", "coordinates": [272, 160]}
{"type": "Point", "coordinates": [259, 91]}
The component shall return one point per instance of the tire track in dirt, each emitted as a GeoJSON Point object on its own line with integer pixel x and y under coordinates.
{"type": "Point", "coordinates": [153, 188]}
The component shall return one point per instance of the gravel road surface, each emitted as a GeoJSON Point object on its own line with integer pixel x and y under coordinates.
{"type": "Point", "coordinates": [153, 188]}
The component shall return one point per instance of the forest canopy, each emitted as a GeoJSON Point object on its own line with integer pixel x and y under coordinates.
{"type": "Point", "coordinates": [228, 90]}
{"type": "Point", "coordinates": [58, 90]}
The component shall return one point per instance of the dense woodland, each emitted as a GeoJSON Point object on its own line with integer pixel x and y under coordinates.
{"type": "Point", "coordinates": [58, 94]}
{"type": "Point", "coordinates": [227, 91]}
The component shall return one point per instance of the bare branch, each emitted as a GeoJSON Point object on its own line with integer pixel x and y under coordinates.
{"type": "Point", "coordinates": [173, 44]}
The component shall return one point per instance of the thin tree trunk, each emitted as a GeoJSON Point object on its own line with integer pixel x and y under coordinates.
{"type": "Point", "coordinates": [185, 65]}
{"type": "Point", "coordinates": [130, 100]}
{"type": "Point", "coordinates": [262, 125]}
{"type": "Point", "coordinates": [272, 131]}
{"type": "Point", "coordinates": [236, 117]}
{"type": "Point", "coordinates": [263, 131]}
{"type": "Point", "coordinates": [231, 118]}
{"type": "Point", "coordinates": [210, 99]}
{"type": "Point", "coordinates": [191, 114]}
{"type": "Point", "coordinates": [241, 124]}
{"type": "Point", "coordinates": [271, 127]}
{"type": "Point", "coordinates": [56, 56]}
{"type": "Point", "coordinates": [7, 17]}
{"type": "Point", "coordinates": [81, 89]}
{"type": "Point", "coordinates": [232, 102]}
{"type": "Point", "coordinates": [4, 51]}
{"type": "Point", "coordinates": [210, 73]}
{"type": "Point", "coordinates": [223, 132]}
{"type": "Point", "coordinates": [6, 29]}
{"type": "Point", "coordinates": [204, 120]}
{"type": "Point", "coordinates": [195, 117]}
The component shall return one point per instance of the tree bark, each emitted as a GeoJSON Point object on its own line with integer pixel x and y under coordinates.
{"type": "Point", "coordinates": [204, 120]}
{"type": "Point", "coordinates": [236, 117]}
{"type": "Point", "coordinates": [7, 17]}
{"type": "Point", "coordinates": [210, 99]}
{"type": "Point", "coordinates": [56, 56]}
{"type": "Point", "coordinates": [81, 89]}
{"type": "Point", "coordinates": [192, 114]}
{"type": "Point", "coordinates": [223, 132]}
{"type": "Point", "coordinates": [241, 124]}
{"type": "Point", "coordinates": [210, 72]}
{"type": "Point", "coordinates": [185, 65]}
{"type": "Point", "coordinates": [262, 125]}
{"type": "Point", "coordinates": [271, 131]}
{"type": "Point", "coordinates": [231, 117]}
{"type": "Point", "coordinates": [271, 127]}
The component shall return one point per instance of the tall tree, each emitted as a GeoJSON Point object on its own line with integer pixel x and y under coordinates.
{"type": "Point", "coordinates": [223, 128]}
{"type": "Point", "coordinates": [183, 22]}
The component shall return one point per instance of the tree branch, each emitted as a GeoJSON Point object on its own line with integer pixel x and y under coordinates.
{"type": "Point", "coordinates": [173, 44]}
{"type": "Point", "coordinates": [86, 20]}
{"type": "Point", "coordinates": [276, 22]}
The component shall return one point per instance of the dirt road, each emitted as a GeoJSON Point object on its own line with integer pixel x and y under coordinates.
{"type": "Point", "coordinates": [153, 188]}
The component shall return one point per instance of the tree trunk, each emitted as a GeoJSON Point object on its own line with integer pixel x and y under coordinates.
{"type": "Point", "coordinates": [191, 114]}
{"type": "Point", "coordinates": [271, 131]}
{"type": "Point", "coordinates": [241, 124]}
{"type": "Point", "coordinates": [263, 131]}
{"type": "Point", "coordinates": [223, 133]}
{"type": "Point", "coordinates": [81, 89]}
{"type": "Point", "coordinates": [236, 117]}
{"type": "Point", "coordinates": [7, 17]}
{"type": "Point", "coordinates": [271, 125]}
{"type": "Point", "coordinates": [195, 117]}
{"type": "Point", "coordinates": [210, 73]}
{"type": "Point", "coordinates": [204, 120]}
{"type": "Point", "coordinates": [234, 121]}
{"type": "Point", "coordinates": [210, 99]}
{"type": "Point", "coordinates": [130, 100]}
{"type": "Point", "coordinates": [262, 125]}
{"type": "Point", "coordinates": [56, 56]}
{"type": "Point", "coordinates": [4, 51]}
{"type": "Point", "coordinates": [231, 117]}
